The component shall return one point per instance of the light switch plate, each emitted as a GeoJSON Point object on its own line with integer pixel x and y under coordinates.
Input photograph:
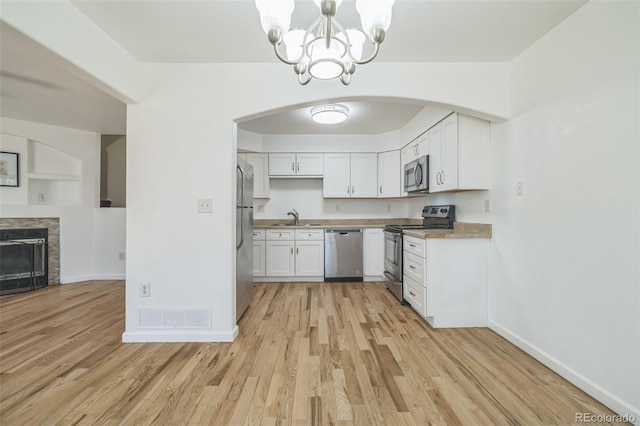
{"type": "Point", "coordinates": [205, 205]}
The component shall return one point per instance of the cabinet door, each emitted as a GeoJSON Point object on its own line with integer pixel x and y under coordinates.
{"type": "Point", "coordinates": [435, 157]}
{"type": "Point", "coordinates": [309, 258]}
{"type": "Point", "coordinates": [449, 154]}
{"type": "Point", "coordinates": [260, 163]}
{"type": "Point", "coordinates": [423, 145]}
{"type": "Point", "coordinates": [309, 164]}
{"type": "Point", "coordinates": [259, 259]}
{"type": "Point", "coordinates": [373, 252]}
{"type": "Point", "coordinates": [337, 176]}
{"type": "Point", "coordinates": [389, 174]}
{"type": "Point", "coordinates": [279, 258]}
{"type": "Point", "coordinates": [364, 175]}
{"type": "Point", "coordinates": [282, 164]}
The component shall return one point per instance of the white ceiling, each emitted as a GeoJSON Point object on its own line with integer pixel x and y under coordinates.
{"type": "Point", "coordinates": [36, 86]}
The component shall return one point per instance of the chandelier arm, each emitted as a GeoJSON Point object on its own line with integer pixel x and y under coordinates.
{"type": "Point", "coordinates": [367, 60]}
{"type": "Point", "coordinates": [282, 58]}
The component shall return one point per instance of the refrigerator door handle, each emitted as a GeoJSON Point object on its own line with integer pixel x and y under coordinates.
{"type": "Point", "coordinates": [241, 210]}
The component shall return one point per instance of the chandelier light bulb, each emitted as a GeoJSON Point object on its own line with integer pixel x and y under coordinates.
{"type": "Point", "coordinates": [329, 114]}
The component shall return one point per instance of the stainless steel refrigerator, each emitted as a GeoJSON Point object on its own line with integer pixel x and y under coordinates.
{"type": "Point", "coordinates": [244, 237]}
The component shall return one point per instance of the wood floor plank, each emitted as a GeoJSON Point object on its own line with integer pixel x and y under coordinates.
{"type": "Point", "coordinates": [307, 354]}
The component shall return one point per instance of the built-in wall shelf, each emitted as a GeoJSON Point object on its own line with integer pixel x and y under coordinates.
{"type": "Point", "coordinates": [53, 177]}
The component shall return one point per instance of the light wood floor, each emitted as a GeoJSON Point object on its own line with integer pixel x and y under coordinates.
{"type": "Point", "coordinates": [308, 353]}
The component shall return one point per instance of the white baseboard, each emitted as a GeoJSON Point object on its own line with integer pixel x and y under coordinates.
{"type": "Point", "coordinates": [110, 277]}
{"type": "Point", "coordinates": [604, 396]}
{"type": "Point", "coordinates": [179, 336]}
{"type": "Point", "coordinates": [92, 277]}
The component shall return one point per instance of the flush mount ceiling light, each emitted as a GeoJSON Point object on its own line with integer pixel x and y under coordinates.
{"type": "Point", "coordinates": [329, 114]}
{"type": "Point", "coordinates": [325, 50]}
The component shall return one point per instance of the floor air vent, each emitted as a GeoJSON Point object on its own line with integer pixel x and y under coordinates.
{"type": "Point", "coordinates": [173, 318]}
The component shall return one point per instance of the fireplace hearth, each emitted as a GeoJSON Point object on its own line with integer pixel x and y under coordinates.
{"type": "Point", "coordinates": [24, 262]}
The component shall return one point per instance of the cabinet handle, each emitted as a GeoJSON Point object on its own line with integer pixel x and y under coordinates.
{"type": "Point", "coordinates": [412, 267]}
{"type": "Point", "coordinates": [353, 190]}
{"type": "Point", "coordinates": [291, 250]}
{"type": "Point", "coordinates": [442, 177]}
{"type": "Point", "coordinates": [298, 167]}
{"type": "Point", "coordinates": [297, 250]}
{"type": "Point", "coordinates": [348, 190]}
{"type": "Point", "coordinates": [293, 167]}
{"type": "Point", "coordinates": [381, 189]}
{"type": "Point", "coordinates": [412, 245]}
{"type": "Point", "coordinates": [411, 293]}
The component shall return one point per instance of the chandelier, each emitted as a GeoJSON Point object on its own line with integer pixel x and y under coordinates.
{"type": "Point", "coordinates": [325, 50]}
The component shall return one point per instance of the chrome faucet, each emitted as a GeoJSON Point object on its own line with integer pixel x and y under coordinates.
{"type": "Point", "coordinates": [294, 213]}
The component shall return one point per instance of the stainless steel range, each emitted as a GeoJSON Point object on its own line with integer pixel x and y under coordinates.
{"type": "Point", "coordinates": [433, 217]}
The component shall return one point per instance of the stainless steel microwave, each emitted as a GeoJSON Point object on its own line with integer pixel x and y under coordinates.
{"type": "Point", "coordinates": [416, 175]}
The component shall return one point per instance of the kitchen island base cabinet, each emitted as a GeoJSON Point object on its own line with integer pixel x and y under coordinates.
{"type": "Point", "coordinates": [451, 291]}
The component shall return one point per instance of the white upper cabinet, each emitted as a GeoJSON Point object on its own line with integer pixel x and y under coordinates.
{"type": "Point", "coordinates": [350, 175]}
{"type": "Point", "coordinates": [260, 163]}
{"type": "Point", "coordinates": [419, 147]}
{"type": "Point", "coordinates": [364, 175]}
{"type": "Point", "coordinates": [389, 174]}
{"type": "Point", "coordinates": [459, 154]}
{"type": "Point", "coordinates": [292, 164]}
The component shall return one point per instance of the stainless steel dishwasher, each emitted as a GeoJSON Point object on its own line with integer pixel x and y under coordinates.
{"type": "Point", "coordinates": [343, 254]}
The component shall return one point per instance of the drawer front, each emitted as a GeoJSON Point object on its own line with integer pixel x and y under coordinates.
{"type": "Point", "coordinates": [414, 267]}
{"type": "Point", "coordinates": [259, 234]}
{"type": "Point", "coordinates": [414, 245]}
{"type": "Point", "coordinates": [416, 295]}
{"type": "Point", "coordinates": [276, 234]}
{"type": "Point", "coordinates": [310, 234]}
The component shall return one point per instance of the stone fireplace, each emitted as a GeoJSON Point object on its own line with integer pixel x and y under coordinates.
{"type": "Point", "coordinates": [30, 249]}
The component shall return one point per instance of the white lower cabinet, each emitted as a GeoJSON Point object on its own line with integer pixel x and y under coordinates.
{"type": "Point", "coordinates": [310, 258]}
{"type": "Point", "coordinates": [259, 257]}
{"type": "Point", "coordinates": [294, 254]}
{"type": "Point", "coordinates": [373, 253]}
{"type": "Point", "coordinates": [445, 280]}
{"type": "Point", "coordinates": [280, 258]}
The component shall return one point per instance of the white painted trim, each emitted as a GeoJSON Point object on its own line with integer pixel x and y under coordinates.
{"type": "Point", "coordinates": [287, 279]}
{"type": "Point", "coordinates": [93, 277]}
{"type": "Point", "coordinates": [110, 277]}
{"type": "Point", "coordinates": [165, 336]}
{"type": "Point", "coordinates": [604, 396]}
{"type": "Point", "coordinates": [76, 279]}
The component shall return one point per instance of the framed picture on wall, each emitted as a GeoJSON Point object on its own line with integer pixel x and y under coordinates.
{"type": "Point", "coordinates": [9, 173]}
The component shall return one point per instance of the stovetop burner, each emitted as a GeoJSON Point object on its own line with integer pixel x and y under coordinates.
{"type": "Point", "coordinates": [434, 217]}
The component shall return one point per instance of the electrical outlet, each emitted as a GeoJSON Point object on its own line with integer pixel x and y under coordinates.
{"type": "Point", "coordinates": [121, 255]}
{"type": "Point", "coordinates": [205, 205]}
{"type": "Point", "coordinates": [42, 197]}
{"type": "Point", "coordinates": [145, 290]}
{"type": "Point", "coordinates": [487, 205]}
{"type": "Point", "coordinates": [337, 207]}
{"type": "Point", "coordinates": [388, 207]}
{"type": "Point", "coordinates": [519, 189]}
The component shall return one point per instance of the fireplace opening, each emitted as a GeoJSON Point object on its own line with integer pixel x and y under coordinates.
{"type": "Point", "coordinates": [24, 264]}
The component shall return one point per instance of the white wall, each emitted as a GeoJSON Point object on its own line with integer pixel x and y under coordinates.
{"type": "Point", "coordinates": [78, 244]}
{"type": "Point", "coordinates": [193, 264]}
{"type": "Point", "coordinates": [305, 195]}
{"type": "Point", "coordinates": [564, 266]}
{"type": "Point", "coordinates": [109, 227]}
